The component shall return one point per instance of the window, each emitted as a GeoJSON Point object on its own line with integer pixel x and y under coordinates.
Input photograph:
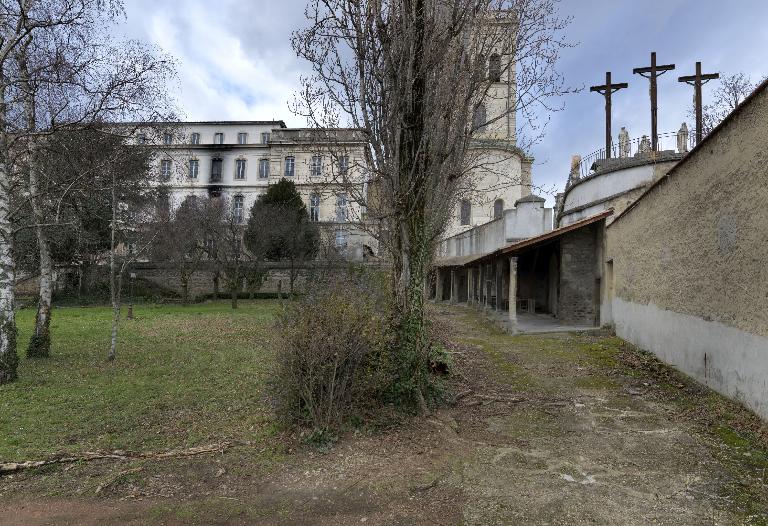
{"type": "Point", "coordinates": [242, 138]}
{"type": "Point", "coordinates": [465, 213]}
{"type": "Point", "coordinates": [240, 169]}
{"type": "Point", "coordinates": [194, 168]}
{"type": "Point", "coordinates": [341, 240]}
{"type": "Point", "coordinates": [218, 138]}
{"type": "Point", "coordinates": [165, 170]}
{"type": "Point", "coordinates": [315, 166]}
{"type": "Point", "coordinates": [343, 164]}
{"type": "Point", "coordinates": [290, 163]}
{"type": "Point", "coordinates": [265, 138]}
{"type": "Point", "coordinates": [498, 208]}
{"type": "Point", "coordinates": [342, 214]}
{"type": "Point", "coordinates": [478, 119]}
{"type": "Point", "coordinates": [216, 170]}
{"type": "Point", "coordinates": [314, 207]}
{"type": "Point", "coordinates": [237, 208]}
{"type": "Point", "coordinates": [194, 138]}
{"type": "Point", "coordinates": [263, 168]}
{"type": "Point", "coordinates": [494, 68]}
{"type": "Point", "coordinates": [167, 139]}
{"type": "Point", "coordinates": [141, 138]}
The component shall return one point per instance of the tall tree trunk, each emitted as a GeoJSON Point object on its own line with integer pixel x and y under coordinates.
{"type": "Point", "coordinates": [184, 289]}
{"type": "Point", "coordinates": [216, 285]}
{"type": "Point", "coordinates": [292, 276]}
{"type": "Point", "coordinates": [115, 315]}
{"type": "Point", "coordinates": [235, 285]}
{"type": "Point", "coordinates": [40, 343]}
{"type": "Point", "coordinates": [8, 358]}
{"type": "Point", "coordinates": [411, 260]}
{"type": "Point", "coordinates": [114, 281]}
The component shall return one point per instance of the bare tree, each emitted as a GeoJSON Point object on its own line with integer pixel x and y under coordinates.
{"type": "Point", "coordinates": [67, 82]}
{"type": "Point", "coordinates": [413, 76]}
{"type": "Point", "coordinates": [182, 242]}
{"type": "Point", "coordinates": [60, 70]}
{"type": "Point", "coordinates": [730, 92]}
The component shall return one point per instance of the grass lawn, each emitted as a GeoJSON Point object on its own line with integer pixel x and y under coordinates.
{"type": "Point", "coordinates": [183, 376]}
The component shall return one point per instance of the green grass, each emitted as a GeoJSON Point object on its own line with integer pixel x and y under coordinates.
{"type": "Point", "coordinates": [183, 376]}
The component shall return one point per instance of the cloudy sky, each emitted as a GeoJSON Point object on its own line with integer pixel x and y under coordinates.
{"type": "Point", "coordinates": [235, 61]}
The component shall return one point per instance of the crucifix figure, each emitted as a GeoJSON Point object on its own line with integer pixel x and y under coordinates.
{"type": "Point", "coordinates": [697, 81]}
{"type": "Point", "coordinates": [606, 90]}
{"type": "Point", "coordinates": [653, 72]}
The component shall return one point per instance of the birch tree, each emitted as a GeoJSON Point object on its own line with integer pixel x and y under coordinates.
{"type": "Point", "coordinates": [19, 22]}
{"type": "Point", "coordinates": [411, 75]}
{"type": "Point", "coordinates": [71, 74]}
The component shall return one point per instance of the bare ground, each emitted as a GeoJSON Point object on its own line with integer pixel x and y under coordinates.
{"type": "Point", "coordinates": [557, 429]}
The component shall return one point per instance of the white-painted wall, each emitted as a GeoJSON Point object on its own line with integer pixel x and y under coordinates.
{"type": "Point", "coordinates": [529, 219]}
{"type": "Point", "coordinates": [606, 185]}
{"type": "Point", "coordinates": [736, 363]}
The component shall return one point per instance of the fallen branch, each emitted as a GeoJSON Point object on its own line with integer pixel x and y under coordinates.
{"type": "Point", "coordinates": [14, 467]}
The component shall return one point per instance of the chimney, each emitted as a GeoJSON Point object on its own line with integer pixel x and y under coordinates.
{"type": "Point", "coordinates": [526, 179]}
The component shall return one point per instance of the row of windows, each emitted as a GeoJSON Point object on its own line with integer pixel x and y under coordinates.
{"type": "Point", "coordinates": [465, 211]}
{"type": "Point", "coordinates": [289, 168]}
{"type": "Point", "coordinates": [342, 209]}
{"type": "Point", "coordinates": [218, 138]}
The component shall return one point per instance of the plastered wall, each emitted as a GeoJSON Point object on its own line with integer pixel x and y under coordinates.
{"type": "Point", "coordinates": [690, 262]}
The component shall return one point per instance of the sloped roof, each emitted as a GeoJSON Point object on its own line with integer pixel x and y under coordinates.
{"type": "Point", "coordinates": [524, 245]}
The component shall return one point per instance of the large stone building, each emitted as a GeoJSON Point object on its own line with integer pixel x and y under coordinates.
{"type": "Point", "coordinates": [238, 160]}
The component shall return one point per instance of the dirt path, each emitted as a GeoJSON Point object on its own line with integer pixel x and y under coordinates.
{"type": "Point", "coordinates": [562, 429]}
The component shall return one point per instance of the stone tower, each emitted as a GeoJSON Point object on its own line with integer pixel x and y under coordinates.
{"type": "Point", "coordinates": [501, 171]}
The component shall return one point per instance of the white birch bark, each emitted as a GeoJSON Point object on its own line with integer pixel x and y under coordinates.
{"type": "Point", "coordinates": [8, 357]}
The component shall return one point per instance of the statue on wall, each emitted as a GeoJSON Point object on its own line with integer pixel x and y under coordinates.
{"type": "Point", "coordinates": [645, 145]}
{"type": "Point", "coordinates": [623, 142]}
{"type": "Point", "coordinates": [682, 139]}
{"type": "Point", "coordinates": [575, 173]}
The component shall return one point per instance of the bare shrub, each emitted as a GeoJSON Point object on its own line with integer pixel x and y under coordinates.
{"type": "Point", "coordinates": [329, 358]}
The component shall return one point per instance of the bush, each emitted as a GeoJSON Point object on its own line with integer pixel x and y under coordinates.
{"type": "Point", "coordinates": [329, 358]}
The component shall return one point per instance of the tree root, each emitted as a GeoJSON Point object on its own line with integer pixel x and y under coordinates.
{"type": "Point", "coordinates": [15, 467]}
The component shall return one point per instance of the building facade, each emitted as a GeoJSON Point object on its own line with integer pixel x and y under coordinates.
{"type": "Point", "coordinates": [239, 160]}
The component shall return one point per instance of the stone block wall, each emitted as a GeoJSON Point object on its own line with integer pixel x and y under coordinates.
{"type": "Point", "coordinates": [578, 277]}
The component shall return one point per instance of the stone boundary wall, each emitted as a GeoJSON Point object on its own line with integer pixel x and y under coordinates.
{"type": "Point", "coordinates": [688, 260]}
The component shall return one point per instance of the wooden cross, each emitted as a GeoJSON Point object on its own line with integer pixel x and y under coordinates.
{"type": "Point", "coordinates": [697, 81]}
{"type": "Point", "coordinates": [606, 90]}
{"type": "Point", "coordinates": [654, 71]}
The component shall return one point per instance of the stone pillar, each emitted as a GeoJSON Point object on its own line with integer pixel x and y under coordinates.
{"type": "Point", "coordinates": [484, 286]}
{"type": "Point", "coordinates": [454, 286]}
{"type": "Point", "coordinates": [498, 269]}
{"type": "Point", "coordinates": [513, 294]}
{"type": "Point", "coordinates": [470, 286]}
{"type": "Point", "coordinates": [439, 285]}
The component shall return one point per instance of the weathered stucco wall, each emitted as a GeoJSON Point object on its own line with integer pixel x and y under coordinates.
{"type": "Point", "coordinates": [690, 262]}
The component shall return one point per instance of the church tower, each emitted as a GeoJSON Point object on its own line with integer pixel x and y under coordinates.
{"type": "Point", "coordinates": [501, 172]}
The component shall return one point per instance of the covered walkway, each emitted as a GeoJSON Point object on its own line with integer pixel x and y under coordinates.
{"type": "Point", "coordinates": [545, 283]}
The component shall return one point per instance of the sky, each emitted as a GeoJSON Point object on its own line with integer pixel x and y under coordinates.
{"type": "Point", "coordinates": [235, 62]}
